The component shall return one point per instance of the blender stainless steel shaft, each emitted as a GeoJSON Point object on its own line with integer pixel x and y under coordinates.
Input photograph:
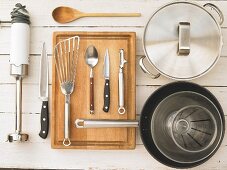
{"type": "Point", "coordinates": [20, 35]}
{"type": "Point", "coordinates": [18, 72]}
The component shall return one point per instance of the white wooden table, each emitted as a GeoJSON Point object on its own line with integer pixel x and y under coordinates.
{"type": "Point", "coordinates": [37, 153]}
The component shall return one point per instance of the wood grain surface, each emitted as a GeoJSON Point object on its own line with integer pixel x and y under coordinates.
{"type": "Point", "coordinates": [104, 138]}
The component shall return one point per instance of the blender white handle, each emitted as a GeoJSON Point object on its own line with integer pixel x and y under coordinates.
{"type": "Point", "coordinates": [20, 37]}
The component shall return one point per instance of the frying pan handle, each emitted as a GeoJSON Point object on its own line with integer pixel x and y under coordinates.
{"type": "Point", "coordinates": [214, 7]}
{"type": "Point", "coordinates": [145, 70]}
{"type": "Point", "coordinates": [88, 123]}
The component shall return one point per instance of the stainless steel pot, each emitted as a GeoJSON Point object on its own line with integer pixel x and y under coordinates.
{"type": "Point", "coordinates": [182, 40]}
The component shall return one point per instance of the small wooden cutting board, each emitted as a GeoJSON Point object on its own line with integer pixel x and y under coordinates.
{"type": "Point", "coordinates": [104, 138]}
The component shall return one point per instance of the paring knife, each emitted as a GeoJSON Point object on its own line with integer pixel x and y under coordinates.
{"type": "Point", "coordinates": [107, 82]}
{"type": "Point", "coordinates": [43, 93]}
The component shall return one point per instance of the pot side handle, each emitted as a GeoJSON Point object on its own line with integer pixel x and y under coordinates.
{"type": "Point", "coordinates": [145, 70]}
{"type": "Point", "coordinates": [219, 12]}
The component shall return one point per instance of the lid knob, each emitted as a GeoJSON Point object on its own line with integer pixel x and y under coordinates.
{"type": "Point", "coordinates": [184, 38]}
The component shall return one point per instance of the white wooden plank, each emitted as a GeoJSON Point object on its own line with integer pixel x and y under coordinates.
{"type": "Point", "coordinates": [32, 104]}
{"type": "Point", "coordinates": [40, 155]}
{"type": "Point", "coordinates": [44, 34]}
{"type": "Point", "coordinates": [41, 12]}
{"type": "Point", "coordinates": [43, 157]}
{"type": "Point", "coordinates": [216, 77]}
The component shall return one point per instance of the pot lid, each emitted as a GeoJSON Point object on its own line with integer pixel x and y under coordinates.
{"type": "Point", "coordinates": [182, 40]}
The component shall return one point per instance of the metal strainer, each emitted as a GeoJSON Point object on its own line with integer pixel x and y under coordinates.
{"type": "Point", "coordinates": [186, 127]}
{"type": "Point", "coordinates": [193, 128]}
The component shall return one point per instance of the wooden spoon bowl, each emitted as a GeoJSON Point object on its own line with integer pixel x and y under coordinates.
{"type": "Point", "coordinates": [64, 14]}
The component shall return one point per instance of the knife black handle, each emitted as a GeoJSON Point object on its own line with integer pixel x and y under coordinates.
{"type": "Point", "coordinates": [106, 96]}
{"type": "Point", "coordinates": [44, 119]}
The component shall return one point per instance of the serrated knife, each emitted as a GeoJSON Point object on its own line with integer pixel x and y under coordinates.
{"type": "Point", "coordinates": [43, 93]}
{"type": "Point", "coordinates": [107, 81]}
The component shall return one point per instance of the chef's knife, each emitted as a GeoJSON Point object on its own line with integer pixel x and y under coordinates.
{"type": "Point", "coordinates": [43, 93]}
{"type": "Point", "coordinates": [107, 82]}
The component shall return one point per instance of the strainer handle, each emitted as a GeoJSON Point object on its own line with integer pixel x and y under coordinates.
{"type": "Point", "coordinates": [214, 7]}
{"type": "Point", "coordinates": [66, 141]}
{"type": "Point", "coordinates": [145, 70]}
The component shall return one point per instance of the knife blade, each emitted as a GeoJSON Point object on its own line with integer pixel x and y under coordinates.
{"type": "Point", "coordinates": [107, 81]}
{"type": "Point", "coordinates": [43, 93]}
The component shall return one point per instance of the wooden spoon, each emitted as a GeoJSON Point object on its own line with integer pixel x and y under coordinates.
{"type": "Point", "coordinates": [66, 14]}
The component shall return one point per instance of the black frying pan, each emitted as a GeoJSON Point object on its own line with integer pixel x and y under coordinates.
{"type": "Point", "coordinates": [147, 114]}
{"type": "Point", "coordinates": [148, 110]}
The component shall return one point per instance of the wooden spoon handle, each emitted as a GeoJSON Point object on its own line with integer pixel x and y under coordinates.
{"type": "Point", "coordinates": [111, 14]}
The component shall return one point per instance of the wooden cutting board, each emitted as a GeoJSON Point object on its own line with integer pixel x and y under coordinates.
{"type": "Point", "coordinates": [104, 138]}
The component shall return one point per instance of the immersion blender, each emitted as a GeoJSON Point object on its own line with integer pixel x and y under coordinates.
{"type": "Point", "coordinates": [19, 53]}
